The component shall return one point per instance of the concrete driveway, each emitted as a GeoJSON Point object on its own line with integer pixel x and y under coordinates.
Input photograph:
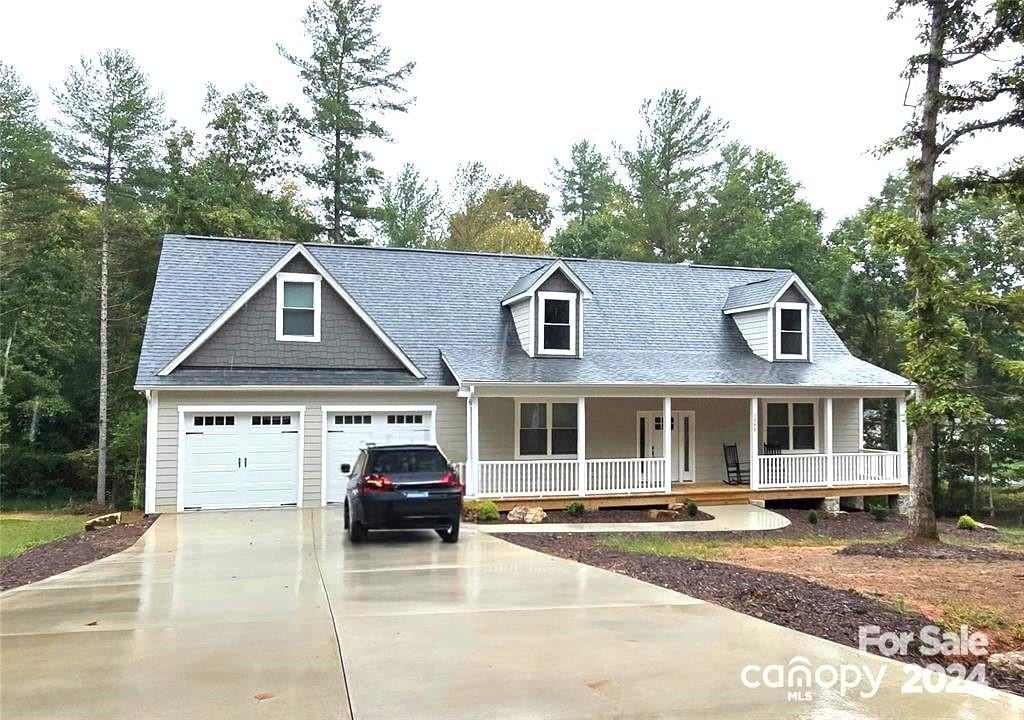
{"type": "Point", "coordinates": [210, 610]}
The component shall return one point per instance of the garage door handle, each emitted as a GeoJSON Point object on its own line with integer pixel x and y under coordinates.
{"type": "Point", "coordinates": [246, 462]}
{"type": "Point", "coordinates": [289, 432]}
{"type": "Point", "coordinates": [239, 462]}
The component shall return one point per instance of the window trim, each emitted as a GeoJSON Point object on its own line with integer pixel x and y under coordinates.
{"type": "Point", "coordinates": [282, 278]}
{"type": "Point", "coordinates": [789, 402]}
{"type": "Point", "coordinates": [550, 417]}
{"type": "Point", "coordinates": [542, 298]}
{"type": "Point", "coordinates": [804, 331]}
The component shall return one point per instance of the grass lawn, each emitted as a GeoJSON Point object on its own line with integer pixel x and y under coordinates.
{"type": "Point", "coordinates": [23, 530]}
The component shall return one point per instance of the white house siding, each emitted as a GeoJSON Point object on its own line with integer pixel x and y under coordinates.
{"type": "Point", "coordinates": [450, 427]}
{"type": "Point", "coordinates": [845, 425]}
{"type": "Point", "coordinates": [754, 326]}
{"type": "Point", "coordinates": [524, 323]}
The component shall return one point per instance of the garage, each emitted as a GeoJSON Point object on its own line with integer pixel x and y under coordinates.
{"type": "Point", "coordinates": [350, 429]}
{"type": "Point", "coordinates": [236, 459]}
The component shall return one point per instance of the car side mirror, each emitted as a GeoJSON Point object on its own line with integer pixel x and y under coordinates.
{"type": "Point", "coordinates": [346, 468]}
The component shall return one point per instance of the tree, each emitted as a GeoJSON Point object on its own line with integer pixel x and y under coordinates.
{"type": "Point", "coordinates": [667, 170]}
{"type": "Point", "coordinates": [495, 215]}
{"type": "Point", "coordinates": [349, 84]}
{"type": "Point", "coordinates": [946, 112]}
{"type": "Point", "coordinates": [586, 184]}
{"type": "Point", "coordinates": [411, 210]}
{"type": "Point", "coordinates": [111, 124]}
{"type": "Point", "coordinates": [604, 234]}
{"type": "Point", "coordinates": [754, 217]}
{"type": "Point", "coordinates": [238, 181]}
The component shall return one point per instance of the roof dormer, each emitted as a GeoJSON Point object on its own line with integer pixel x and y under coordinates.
{"type": "Point", "coordinates": [546, 306]}
{"type": "Point", "coordinates": [774, 316]}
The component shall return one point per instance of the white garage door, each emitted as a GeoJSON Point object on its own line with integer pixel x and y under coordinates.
{"type": "Point", "coordinates": [240, 460]}
{"type": "Point", "coordinates": [350, 431]}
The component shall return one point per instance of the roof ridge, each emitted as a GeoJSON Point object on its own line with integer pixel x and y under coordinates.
{"type": "Point", "coordinates": [475, 253]}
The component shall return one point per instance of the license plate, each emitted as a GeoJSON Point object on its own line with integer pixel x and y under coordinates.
{"type": "Point", "coordinates": [416, 495]}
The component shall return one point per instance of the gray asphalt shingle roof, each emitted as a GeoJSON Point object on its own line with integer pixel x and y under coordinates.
{"type": "Point", "coordinates": [758, 292]}
{"type": "Point", "coordinates": [647, 322]}
{"type": "Point", "coordinates": [523, 283]}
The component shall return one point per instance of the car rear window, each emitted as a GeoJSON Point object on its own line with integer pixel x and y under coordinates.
{"type": "Point", "coordinates": [408, 461]}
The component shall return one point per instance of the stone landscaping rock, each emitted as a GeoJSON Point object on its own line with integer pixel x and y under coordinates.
{"type": "Point", "coordinates": [663, 514]}
{"type": "Point", "coordinates": [534, 515]}
{"type": "Point", "coordinates": [678, 507]}
{"type": "Point", "coordinates": [103, 521]}
{"type": "Point", "coordinates": [1009, 662]}
{"type": "Point", "coordinates": [524, 514]}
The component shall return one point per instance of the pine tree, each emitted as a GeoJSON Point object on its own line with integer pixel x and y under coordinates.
{"type": "Point", "coordinates": [586, 184]}
{"type": "Point", "coordinates": [411, 210]}
{"type": "Point", "coordinates": [111, 124]}
{"type": "Point", "coordinates": [349, 83]}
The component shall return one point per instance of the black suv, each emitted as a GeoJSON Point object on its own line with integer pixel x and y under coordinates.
{"type": "Point", "coordinates": [402, 486]}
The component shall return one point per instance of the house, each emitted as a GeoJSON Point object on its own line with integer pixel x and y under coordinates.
{"type": "Point", "coordinates": [267, 365]}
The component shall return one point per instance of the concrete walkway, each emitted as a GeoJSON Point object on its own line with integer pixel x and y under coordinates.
{"type": "Point", "coordinates": [209, 610]}
{"type": "Point", "coordinates": [726, 518]}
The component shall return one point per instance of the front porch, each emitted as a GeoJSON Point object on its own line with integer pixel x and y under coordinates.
{"type": "Point", "coordinates": [615, 447]}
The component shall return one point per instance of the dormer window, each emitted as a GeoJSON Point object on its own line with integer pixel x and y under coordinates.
{"type": "Point", "coordinates": [790, 331]}
{"type": "Point", "coordinates": [298, 307]}
{"type": "Point", "coordinates": [557, 323]}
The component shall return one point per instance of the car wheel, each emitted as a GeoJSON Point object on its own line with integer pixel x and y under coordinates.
{"type": "Point", "coordinates": [357, 532]}
{"type": "Point", "coordinates": [451, 535]}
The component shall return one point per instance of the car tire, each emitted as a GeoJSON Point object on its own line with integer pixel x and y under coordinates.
{"type": "Point", "coordinates": [451, 534]}
{"type": "Point", "coordinates": [357, 532]}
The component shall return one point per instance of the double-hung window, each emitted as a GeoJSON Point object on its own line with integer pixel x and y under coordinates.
{"type": "Point", "coordinates": [791, 426]}
{"type": "Point", "coordinates": [790, 331]}
{"type": "Point", "coordinates": [546, 429]}
{"type": "Point", "coordinates": [298, 307]}
{"type": "Point", "coordinates": [556, 321]}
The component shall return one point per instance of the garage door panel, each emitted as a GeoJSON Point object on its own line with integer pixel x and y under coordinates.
{"type": "Point", "coordinates": [348, 432]}
{"type": "Point", "coordinates": [241, 463]}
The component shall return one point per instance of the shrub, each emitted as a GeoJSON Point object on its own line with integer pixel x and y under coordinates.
{"type": "Point", "coordinates": [812, 517]}
{"type": "Point", "coordinates": [692, 509]}
{"type": "Point", "coordinates": [480, 511]}
{"type": "Point", "coordinates": [966, 522]}
{"type": "Point", "coordinates": [879, 512]}
{"type": "Point", "coordinates": [576, 508]}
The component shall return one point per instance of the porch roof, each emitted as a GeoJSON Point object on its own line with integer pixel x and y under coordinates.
{"type": "Point", "coordinates": [666, 367]}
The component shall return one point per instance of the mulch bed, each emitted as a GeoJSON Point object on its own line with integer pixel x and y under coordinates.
{"type": "Point", "coordinates": [931, 551]}
{"type": "Point", "coordinates": [61, 555]}
{"type": "Point", "coordinates": [775, 597]}
{"type": "Point", "coordinates": [855, 525]}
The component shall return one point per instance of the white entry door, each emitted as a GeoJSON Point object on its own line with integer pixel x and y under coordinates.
{"type": "Point", "coordinates": [240, 460]}
{"type": "Point", "coordinates": [651, 436]}
{"type": "Point", "coordinates": [349, 431]}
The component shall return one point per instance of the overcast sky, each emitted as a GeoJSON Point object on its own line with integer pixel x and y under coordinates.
{"type": "Point", "coordinates": [515, 84]}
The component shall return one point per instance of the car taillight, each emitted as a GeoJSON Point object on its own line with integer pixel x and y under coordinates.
{"type": "Point", "coordinates": [376, 483]}
{"type": "Point", "coordinates": [451, 480]}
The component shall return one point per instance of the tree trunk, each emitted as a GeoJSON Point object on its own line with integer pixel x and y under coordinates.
{"type": "Point", "coordinates": [336, 176]}
{"type": "Point", "coordinates": [101, 451]}
{"type": "Point", "coordinates": [922, 513]}
{"type": "Point", "coordinates": [977, 480]}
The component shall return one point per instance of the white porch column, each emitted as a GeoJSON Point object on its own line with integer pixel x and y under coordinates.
{"type": "Point", "coordinates": [901, 438]}
{"type": "Point", "coordinates": [755, 469]}
{"type": "Point", "coordinates": [581, 446]}
{"type": "Point", "coordinates": [472, 445]}
{"type": "Point", "coordinates": [666, 440]}
{"type": "Point", "coordinates": [830, 470]}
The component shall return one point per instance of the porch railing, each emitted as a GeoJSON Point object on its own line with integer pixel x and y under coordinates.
{"type": "Point", "coordinates": [630, 475]}
{"type": "Point", "coordinates": [824, 470]}
{"type": "Point", "coordinates": [554, 478]}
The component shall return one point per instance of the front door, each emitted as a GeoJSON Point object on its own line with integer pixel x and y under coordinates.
{"type": "Point", "coordinates": [650, 438]}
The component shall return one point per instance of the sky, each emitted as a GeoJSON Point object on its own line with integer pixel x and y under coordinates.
{"type": "Point", "coordinates": [515, 84]}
